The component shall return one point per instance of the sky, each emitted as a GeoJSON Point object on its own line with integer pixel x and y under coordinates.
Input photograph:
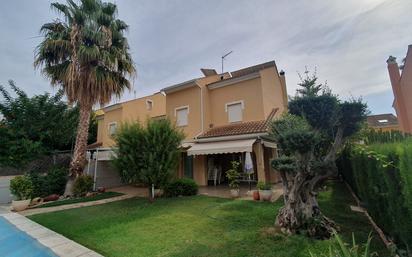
{"type": "Point", "coordinates": [347, 42]}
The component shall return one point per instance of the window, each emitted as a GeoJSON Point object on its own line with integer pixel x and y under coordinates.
{"type": "Point", "coordinates": [234, 111]}
{"type": "Point", "coordinates": [383, 121]}
{"type": "Point", "coordinates": [112, 128]}
{"type": "Point", "coordinates": [149, 105]}
{"type": "Point", "coordinates": [181, 114]}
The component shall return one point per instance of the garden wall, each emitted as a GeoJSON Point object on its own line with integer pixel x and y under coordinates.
{"type": "Point", "coordinates": [381, 176]}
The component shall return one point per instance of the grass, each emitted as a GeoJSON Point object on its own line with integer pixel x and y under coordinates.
{"type": "Point", "coordinates": [200, 226]}
{"type": "Point", "coordinates": [101, 196]}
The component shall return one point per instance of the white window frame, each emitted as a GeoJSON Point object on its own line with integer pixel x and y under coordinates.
{"type": "Point", "coordinates": [108, 128]}
{"type": "Point", "coordinates": [149, 104]}
{"type": "Point", "coordinates": [242, 104]}
{"type": "Point", "coordinates": [181, 108]}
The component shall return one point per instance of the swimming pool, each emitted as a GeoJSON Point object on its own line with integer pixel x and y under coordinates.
{"type": "Point", "coordinates": [16, 243]}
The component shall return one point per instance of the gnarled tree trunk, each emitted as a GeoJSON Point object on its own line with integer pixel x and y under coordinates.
{"type": "Point", "coordinates": [301, 212]}
{"type": "Point", "coordinates": [79, 159]}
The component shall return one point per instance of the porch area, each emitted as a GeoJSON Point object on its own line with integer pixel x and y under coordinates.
{"type": "Point", "coordinates": [208, 162]}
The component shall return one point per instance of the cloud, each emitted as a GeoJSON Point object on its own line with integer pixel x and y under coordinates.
{"type": "Point", "coordinates": [348, 41]}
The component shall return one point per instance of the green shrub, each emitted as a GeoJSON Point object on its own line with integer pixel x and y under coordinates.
{"type": "Point", "coordinates": [181, 187]}
{"type": "Point", "coordinates": [82, 185]}
{"type": "Point", "coordinates": [264, 186]}
{"type": "Point", "coordinates": [21, 187]}
{"type": "Point", "coordinates": [53, 182]}
{"type": "Point", "coordinates": [381, 176]}
{"type": "Point", "coordinates": [148, 154]}
{"type": "Point", "coordinates": [341, 249]}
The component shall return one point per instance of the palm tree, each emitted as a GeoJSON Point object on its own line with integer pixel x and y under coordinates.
{"type": "Point", "coordinates": [87, 55]}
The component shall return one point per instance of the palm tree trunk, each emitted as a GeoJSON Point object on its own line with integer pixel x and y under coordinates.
{"type": "Point", "coordinates": [79, 155]}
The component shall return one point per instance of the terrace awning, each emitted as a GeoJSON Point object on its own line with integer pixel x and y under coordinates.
{"type": "Point", "coordinates": [221, 147]}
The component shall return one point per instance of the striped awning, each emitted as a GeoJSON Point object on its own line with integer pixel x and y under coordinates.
{"type": "Point", "coordinates": [221, 147]}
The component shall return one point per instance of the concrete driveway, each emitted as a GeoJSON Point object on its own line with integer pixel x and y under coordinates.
{"type": "Point", "coordinates": [5, 195]}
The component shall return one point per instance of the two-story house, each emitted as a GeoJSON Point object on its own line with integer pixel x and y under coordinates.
{"type": "Point", "coordinates": [223, 116]}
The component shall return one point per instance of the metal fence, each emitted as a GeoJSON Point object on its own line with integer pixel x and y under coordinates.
{"type": "Point", "coordinates": [101, 169]}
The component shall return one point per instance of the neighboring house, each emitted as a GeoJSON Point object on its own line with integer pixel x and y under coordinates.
{"type": "Point", "coordinates": [223, 116]}
{"type": "Point", "coordinates": [402, 90]}
{"type": "Point", "coordinates": [383, 122]}
{"type": "Point", "coordinates": [111, 117]}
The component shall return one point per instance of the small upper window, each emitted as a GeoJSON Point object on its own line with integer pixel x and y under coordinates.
{"type": "Point", "coordinates": [182, 116]}
{"type": "Point", "coordinates": [112, 128]}
{"type": "Point", "coordinates": [234, 111]}
{"type": "Point", "coordinates": [383, 121]}
{"type": "Point", "coordinates": [149, 105]}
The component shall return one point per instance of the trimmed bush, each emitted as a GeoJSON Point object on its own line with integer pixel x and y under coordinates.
{"type": "Point", "coordinates": [82, 185]}
{"type": "Point", "coordinates": [54, 182]}
{"type": "Point", "coordinates": [181, 187]}
{"type": "Point", "coordinates": [21, 187]}
{"type": "Point", "coordinates": [381, 176]}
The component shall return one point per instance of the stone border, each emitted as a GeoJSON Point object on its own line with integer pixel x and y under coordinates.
{"type": "Point", "coordinates": [57, 243]}
{"type": "Point", "coordinates": [74, 205]}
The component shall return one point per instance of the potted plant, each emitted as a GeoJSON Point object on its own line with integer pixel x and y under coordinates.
{"type": "Point", "coordinates": [256, 195]}
{"type": "Point", "coordinates": [22, 188]}
{"type": "Point", "coordinates": [265, 191]}
{"type": "Point", "coordinates": [233, 177]}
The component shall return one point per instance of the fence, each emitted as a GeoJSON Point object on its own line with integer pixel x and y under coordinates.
{"type": "Point", "coordinates": [100, 168]}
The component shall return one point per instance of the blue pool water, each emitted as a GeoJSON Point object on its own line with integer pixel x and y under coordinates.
{"type": "Point", "coordinates": [16, 243]}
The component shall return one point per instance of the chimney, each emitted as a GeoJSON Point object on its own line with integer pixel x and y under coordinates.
{"type": "Point", "coordinates": [283, 85]}
{"type": "Point", "coordinates": [208, 72]}
{"type": "Point", "coordinates": [394, 73]}
{"type": "Point", "coordinates": [395, 77]}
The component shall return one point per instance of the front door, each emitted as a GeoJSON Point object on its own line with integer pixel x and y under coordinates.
{"type": "Point", "coordinates": [188, 166]}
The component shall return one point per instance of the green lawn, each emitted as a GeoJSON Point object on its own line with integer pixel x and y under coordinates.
{"type": "Point", "coordinates": [101, 196]}
{"type": "Point", "coordinates": [199, 226]}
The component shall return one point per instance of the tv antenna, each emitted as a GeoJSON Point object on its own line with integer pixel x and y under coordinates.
{"type": "Point", "coordinates": [223, 58]}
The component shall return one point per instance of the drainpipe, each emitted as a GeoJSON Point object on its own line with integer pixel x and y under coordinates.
{"type": "Point", "coordinates": [201, 112]}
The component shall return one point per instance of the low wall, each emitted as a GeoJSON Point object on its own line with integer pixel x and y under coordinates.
{"type": "Point", "coordinates": [5, 195]}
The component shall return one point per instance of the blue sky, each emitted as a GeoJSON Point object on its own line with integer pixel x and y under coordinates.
{"type": "Point", "coordinates": [348, 41]}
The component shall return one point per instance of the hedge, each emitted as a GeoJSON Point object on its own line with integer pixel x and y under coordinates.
{"type": "Point", "coordinates": [381, 176]}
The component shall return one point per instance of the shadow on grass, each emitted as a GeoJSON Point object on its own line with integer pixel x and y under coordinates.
{"type": "Point", "coordinates": [198, 226]}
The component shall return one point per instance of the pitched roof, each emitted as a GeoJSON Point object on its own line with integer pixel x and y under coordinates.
{"type": "Point", "coordinates": [252, 69]}
{"type": "Point", "coordinates": [247, 71]}
{"type": "Point", "coordinates": [234, 74]}
{"type": "Point", "coordinates": [382, 120]}
{"type": "Point", "coordinates": [241, 128]}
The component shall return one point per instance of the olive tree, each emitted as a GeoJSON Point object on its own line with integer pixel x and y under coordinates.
{"type": "Point", "coordinates": [310, 136]}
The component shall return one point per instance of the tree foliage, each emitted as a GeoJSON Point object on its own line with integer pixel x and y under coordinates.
{"type": "Point", "coordinates": [86, 55]}
{"type": "Point", "coordinates": [32, 126]}
{"type": "Point", "coordinates": [148, 154]}
{"type": "Point", "coordinates": [310, 135]}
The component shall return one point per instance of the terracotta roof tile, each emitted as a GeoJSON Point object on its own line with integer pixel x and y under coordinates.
{"type": "Point", "coordinates": [248, 127]}
{"type": "Point", "coordinates": [241, 128]}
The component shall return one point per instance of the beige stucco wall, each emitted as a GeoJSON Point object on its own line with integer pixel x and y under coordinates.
{"type": "Point", "coordinates": [199, 170]}
{"type": "Point", "coordinates": [273, 92]}
{"type": "Point", "coordinates": [248, 91]}
{"type": "Point", "coordinates": [188, 97]}
{"type": "Point", "coordinates": [137, 110]}
{"type": "Point", "coordinates": [133, 110]}
{"type": "Point", "coordinates": [109, 117]}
